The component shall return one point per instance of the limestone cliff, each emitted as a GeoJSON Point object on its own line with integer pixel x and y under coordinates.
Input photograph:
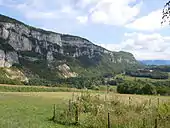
{"type": "Point", "coordinates": [31, 47]}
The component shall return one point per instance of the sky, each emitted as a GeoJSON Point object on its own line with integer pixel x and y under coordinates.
{"type": "Point", "coordinates": [118, 25]}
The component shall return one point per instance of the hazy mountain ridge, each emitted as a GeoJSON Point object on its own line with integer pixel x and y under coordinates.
{"type": "Point", "coordinates": [155, 62]}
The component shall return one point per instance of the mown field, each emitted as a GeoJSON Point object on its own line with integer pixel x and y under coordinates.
{"type": "Point", "coordinates": [35, 109]}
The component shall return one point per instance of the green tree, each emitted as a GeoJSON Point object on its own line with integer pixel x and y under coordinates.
{"type": "Point", "coordinates": [149, 89]}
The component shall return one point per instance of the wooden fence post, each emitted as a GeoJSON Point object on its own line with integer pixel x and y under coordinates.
{"type": "Point", "coordinates": [108, 120]}
{"type": "Point", "coordinates": [158, 102]}
{"type": "Point", "coordinates": [54, 113]}
{"type": "Point", "coordinates": [107, 89]}
{"type": "Point", "coordinates": [144, 122]}
{"type": "Point", "coordinates": [69, 105]}
{"type": "Point", "coordinates": [156, 123]}
{"type": "Point", "coordinates": [73, 96]}
{"type": "Point", "coordinates": [149, 102]}
{"type": "Point", "coordinates": [76, 115]}
{"type": "Point", "coordinates": [129, 100]}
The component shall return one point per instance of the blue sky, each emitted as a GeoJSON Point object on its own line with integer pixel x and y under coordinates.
{"type": "Point", "coordinates": [128, 25]}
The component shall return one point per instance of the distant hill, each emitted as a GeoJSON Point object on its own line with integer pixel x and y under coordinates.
{"type": "Point", "coordinates": [155, 62]}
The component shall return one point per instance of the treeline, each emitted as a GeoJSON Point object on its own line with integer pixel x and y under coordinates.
{"type": "Point", "coordinates": [144, 87]}
{"type": "Point", "coordinates": [163, 68]}
{"type": "Point", "coordinates": [82, 82]}
{"type": "Point", "coordinates": [75, 82]}
{"type": "Point", "coordinates": [148, 74]}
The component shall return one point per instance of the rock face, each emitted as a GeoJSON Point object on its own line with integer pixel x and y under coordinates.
{"type": "Point", "coordinates": [8, 59]}
{"type": "Point", "coordinates": [18, 41]}
{"type": "Point", "coordinates": [11, 58]}
{"type": "Point", "coordinates": [2, 58]}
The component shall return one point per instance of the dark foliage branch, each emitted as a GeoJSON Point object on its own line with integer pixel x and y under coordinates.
{"type": "Point", "coordinates": [166, 13]}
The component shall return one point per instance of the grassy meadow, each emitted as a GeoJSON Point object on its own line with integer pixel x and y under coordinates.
{"type": "Point", "coordinates": [29, 110]}
{"type": "Point", "coordinates": [35, 109]}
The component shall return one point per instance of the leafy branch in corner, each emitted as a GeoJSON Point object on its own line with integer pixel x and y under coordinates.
{"type": "Point", "coordinates": [166, 13]}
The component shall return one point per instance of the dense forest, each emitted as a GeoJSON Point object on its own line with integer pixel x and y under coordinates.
{"type": "Point", "coordinates": [162, 68]}
{"type": "Point", "coordinates": [148, 73]}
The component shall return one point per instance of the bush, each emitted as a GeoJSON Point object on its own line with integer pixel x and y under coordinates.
{"type": "Point", "coordinates": [149, 89]}
{"type": "Point", "coordinates": [5, 80]}
{"type": "Point", "coordinates": [143, 87]}
{"type": "Point", "coordinates": [95, 87]}
{"type": "Point", "coordinates": [112, 82]}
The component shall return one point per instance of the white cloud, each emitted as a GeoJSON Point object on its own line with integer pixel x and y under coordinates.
{"type": "Point", "coordinates": [30, 12]}
{"type": "Point", "coordinates": [143, 46]}
{"type": "Point", "coordinates": [114, 12]}
{"type": "Point", "coordinates": [42, 9]}
{"type": "Point", "coordinates": [150, 22]}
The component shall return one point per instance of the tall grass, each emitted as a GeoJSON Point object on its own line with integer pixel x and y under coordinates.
{"type": "Point", "coordinates": [92, 111]}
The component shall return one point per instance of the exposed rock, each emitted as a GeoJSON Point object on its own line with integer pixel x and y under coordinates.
{"type": "Point", "coordinates": [10, 59]}
{"type": "Point", "coordinates": [16, 74]}
{"type": "Point", "coordinates": [50, 57]}
{"type": "Point", "coordinates": [24, 38]}
{"type": "Point", "coordinates": [119, 60]}
{"type": "Point", "coordinates": [2, 58]}
{"type": "Point", "coordinates": [66, 72]}
{"type": "Point", "coordinates": [19, 43]}
{"type": "Point", "coordinates": [55, 38]}
{"type": "Point", "coordinates": [5, 33]}
{"type": "Point", "coordinates": [37, 49]}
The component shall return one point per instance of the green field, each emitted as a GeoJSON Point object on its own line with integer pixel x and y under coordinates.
{"type": "Point", "coordinates": [29, 110]}
{"type": "Point", "coordinates": [34, 109]}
